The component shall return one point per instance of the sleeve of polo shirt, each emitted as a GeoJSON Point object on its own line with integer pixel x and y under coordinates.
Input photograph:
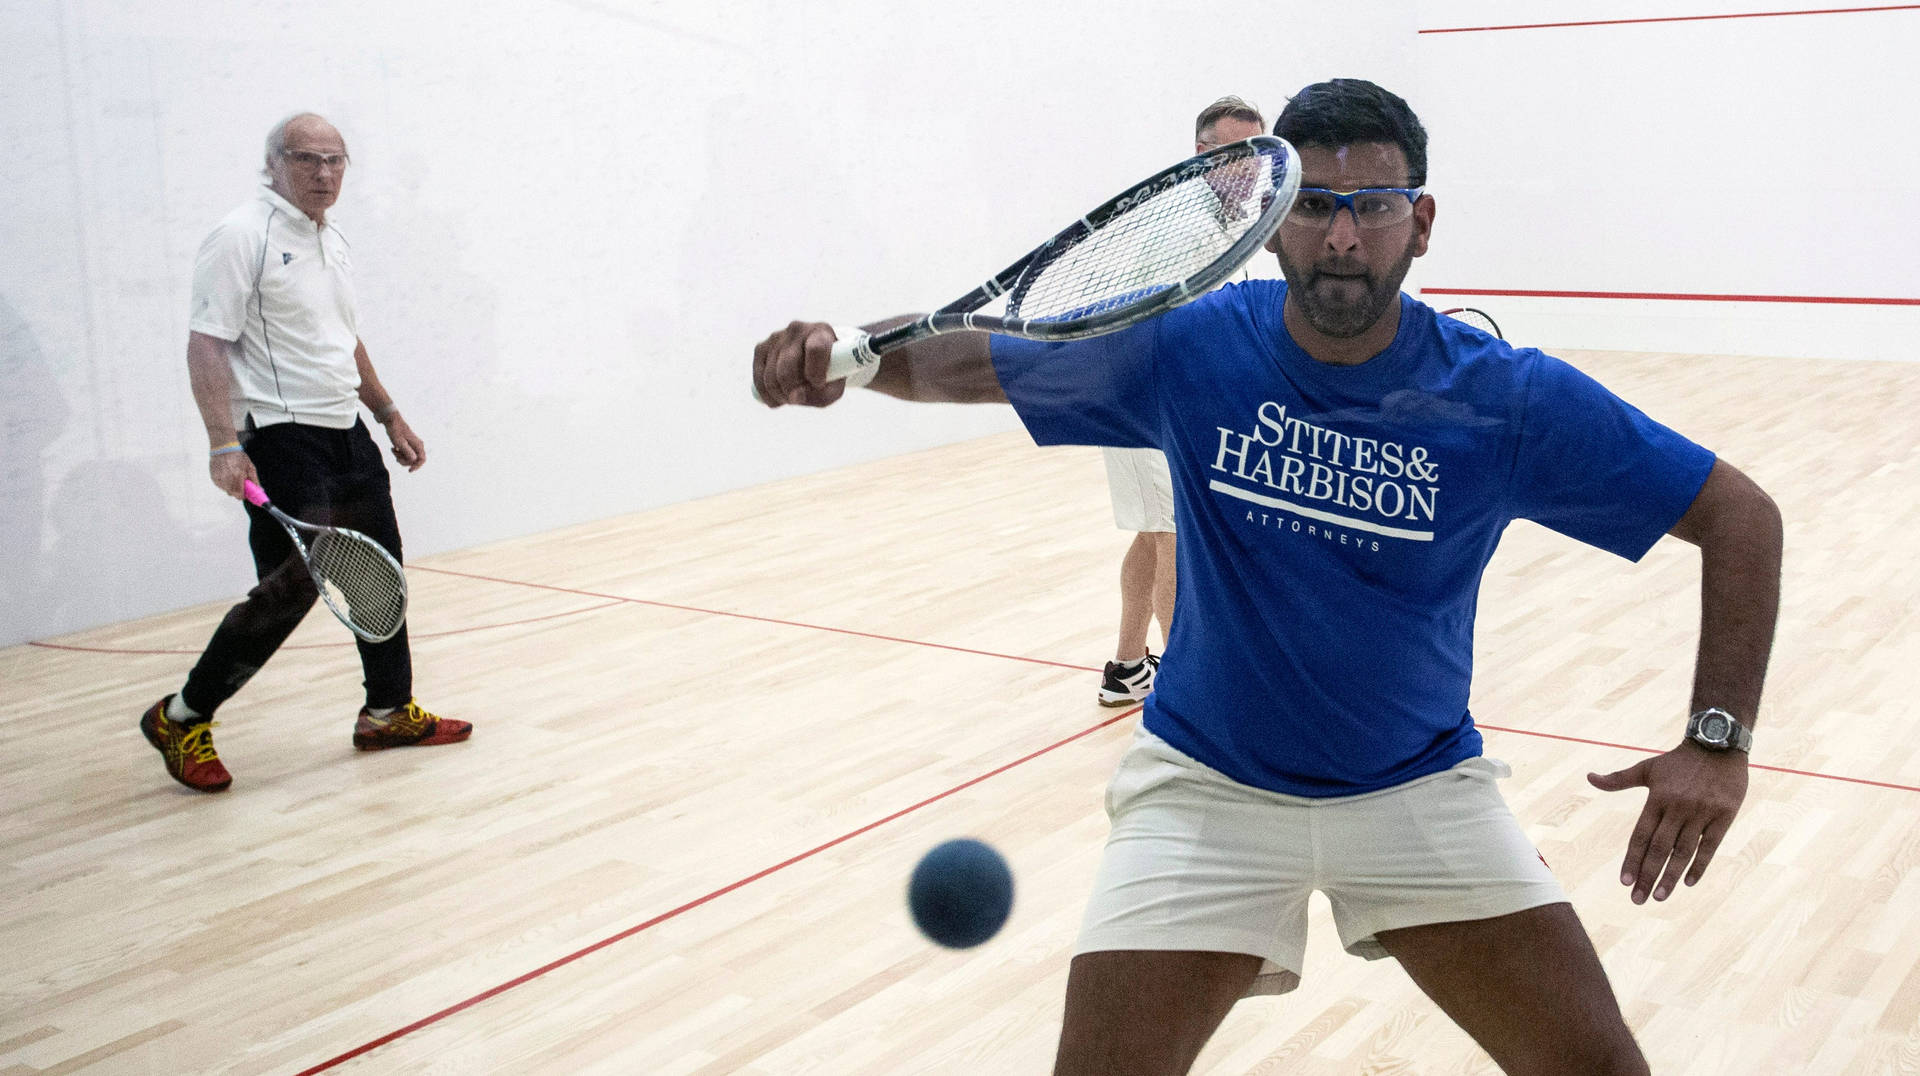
{"type": "Point", "coordinates": [223, 282]}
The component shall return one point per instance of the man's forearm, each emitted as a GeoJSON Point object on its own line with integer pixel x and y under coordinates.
{"type": "Point", "coordinates": [952, 368]}
{"type": "Point", "coordinates": [1740, 553]}
{"type": "Point", "coordinates": [372, 393]}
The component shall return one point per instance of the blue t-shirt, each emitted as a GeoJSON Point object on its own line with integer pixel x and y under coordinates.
{"type": "Point", "coordinates": [1335, 521]}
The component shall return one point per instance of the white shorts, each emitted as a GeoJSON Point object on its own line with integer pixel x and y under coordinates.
{"type": "Point", "coordinates": [1197, 861]}
{"type": "Point", "coordinates": [1142, 489]}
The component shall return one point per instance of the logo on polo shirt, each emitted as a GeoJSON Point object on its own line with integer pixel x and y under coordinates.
{"type": "Point", "coordinates": [1356, 483]}
{"type": "Point", "coordinates": [286, 256]}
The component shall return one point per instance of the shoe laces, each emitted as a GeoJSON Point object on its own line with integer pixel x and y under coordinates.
{"type": "Point", "coordinates": [408, 719]}
{"type": "Point", "coordinates": [196, 742]}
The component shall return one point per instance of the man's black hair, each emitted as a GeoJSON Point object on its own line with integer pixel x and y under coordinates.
{"type": "Point", "coordinates": [1344, 111]}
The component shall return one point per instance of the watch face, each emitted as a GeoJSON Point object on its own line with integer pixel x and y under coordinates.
{"type": "Point", "coordinates": [1715, 728]}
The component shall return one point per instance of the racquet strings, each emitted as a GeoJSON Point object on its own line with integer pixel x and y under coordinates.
{"type": "Point", "coordinates": [1166, 237]}
{"type": "Point", "coordinates": [359, 580]}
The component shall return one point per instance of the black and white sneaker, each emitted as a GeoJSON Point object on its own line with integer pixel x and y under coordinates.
{"type": "Point", "coordinates": [1125, 683]}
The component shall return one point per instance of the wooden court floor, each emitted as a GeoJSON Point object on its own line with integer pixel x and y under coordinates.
{"type": "Point", "coordinates": [712, 740]}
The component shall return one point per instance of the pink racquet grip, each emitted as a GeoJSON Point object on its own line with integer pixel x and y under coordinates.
{"type": "Point", "coordinates": [255, 495]}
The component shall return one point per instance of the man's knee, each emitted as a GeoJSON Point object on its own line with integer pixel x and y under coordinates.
{"type": "Point", "coordinates": [1609, 1055]}
{"type": "Point", "coordinates": [1587, 1036]}
{"type": "Point", "coordinates": [284, 595]}
{"type": "Point", "coordinates": [1618, 1054]}
{"type": "Point", "coordinates": [1146, 1012]}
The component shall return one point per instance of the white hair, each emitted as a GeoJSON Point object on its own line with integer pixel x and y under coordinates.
{"type": "Point", "coordinates": [277, 137]}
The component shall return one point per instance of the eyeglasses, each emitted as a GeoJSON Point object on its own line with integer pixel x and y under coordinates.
{"type": "Point", "coordinates": [1372, 207]}
{"type": "Point", "coordinates": [312, 161]}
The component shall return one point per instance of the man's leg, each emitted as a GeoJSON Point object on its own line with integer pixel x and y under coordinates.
{"type": "Point", "coordinates": [250, 633]}
{"type": "Point", "coordinates": [1138, 598]}
{"type": "Point", "coordinates": [1163, 582]}
{"type": "Point", "coordinates": [367, 506]}
{"type": "Point", "coordinates": [287, 458]}
{"type": "Point", "coordinates": [1528, 987]}
{"type": "Point", "coordinates": [391, 717]}
{"type": "Point", "coordinates": [1142, 490]}
{"type": "Point", "coordinates": [1203, 884]}
{"type": "Point", "coordinates": [1129, 677]}
{"type": "Point", "coordinates": [1146, 1013]}
{"type": "Point", "coordinates": [180, 726]}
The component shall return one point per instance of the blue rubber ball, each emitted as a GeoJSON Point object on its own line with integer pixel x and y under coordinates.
{"type": "Point", "coordinates": [961, 893]}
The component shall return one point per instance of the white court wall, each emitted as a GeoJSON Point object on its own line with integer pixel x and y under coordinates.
{"type": "Point", "coordinates": [1759, 156]}
{"type": "Point", "coordinates": [571, 219]}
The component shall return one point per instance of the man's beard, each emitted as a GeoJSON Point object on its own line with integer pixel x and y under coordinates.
{"type": "Point", "coordinates": [1342, 317]}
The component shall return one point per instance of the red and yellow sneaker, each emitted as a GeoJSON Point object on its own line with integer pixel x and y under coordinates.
{"type": "Point", "coordinates": [187, 749]}
{"type": "Point", "coordinates": [409, 726]}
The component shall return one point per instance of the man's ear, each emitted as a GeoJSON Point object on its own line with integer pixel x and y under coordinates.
{"type": "Point", "coordinates": [1423, 211]}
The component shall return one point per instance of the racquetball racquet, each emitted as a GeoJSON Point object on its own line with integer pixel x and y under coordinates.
{"type": "Point", "coordinates": [1167, 240]}
{"type": "Point", "coordinates": [1479, 319]}
{"type": "Point", "coordinates": [358, 579]}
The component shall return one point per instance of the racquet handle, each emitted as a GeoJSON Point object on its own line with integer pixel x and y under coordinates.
{"type": "Point", "coordinates": [254, 494]}
{"type": "Point", "coordinates": [852, 352]}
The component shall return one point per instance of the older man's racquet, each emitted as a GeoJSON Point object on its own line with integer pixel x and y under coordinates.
{"type": "Point", "coordinates": [358, 579]}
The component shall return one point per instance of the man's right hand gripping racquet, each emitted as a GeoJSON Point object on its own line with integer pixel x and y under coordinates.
{"type": "Point", "coordinates": [1167, 240]}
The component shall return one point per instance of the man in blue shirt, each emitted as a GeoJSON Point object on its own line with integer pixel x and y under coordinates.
{"type": "Point", "coordinates": [1344, 462]}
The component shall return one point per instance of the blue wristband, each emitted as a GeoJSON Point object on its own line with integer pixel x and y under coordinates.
{"type": "Point", "coordinates": [226, 449]}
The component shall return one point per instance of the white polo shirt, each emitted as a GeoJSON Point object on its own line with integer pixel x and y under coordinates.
{"type": "Point", "coordinates": [279, 290]}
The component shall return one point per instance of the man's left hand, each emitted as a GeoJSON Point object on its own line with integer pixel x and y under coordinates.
{"type": "Point", "coordinates": [1692, 796]}
{"type": "Point", "coordinates": [408, 448]}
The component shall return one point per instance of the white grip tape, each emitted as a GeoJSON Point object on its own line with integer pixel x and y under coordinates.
{"type": "Point", "coordinates": [852, 359]}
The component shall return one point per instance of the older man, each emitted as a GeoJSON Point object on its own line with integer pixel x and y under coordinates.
{"type": "Point", "coordinates": [278, 372]}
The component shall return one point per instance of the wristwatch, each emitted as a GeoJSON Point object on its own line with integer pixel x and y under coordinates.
{"type": "Point", "coordinates": [1717, 730]}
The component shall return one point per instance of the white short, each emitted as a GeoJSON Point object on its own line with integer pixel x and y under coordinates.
{"type": "Point", "coordinates": [1197, 861]}
{"type": "Point", "coordinates": [1142, 489]}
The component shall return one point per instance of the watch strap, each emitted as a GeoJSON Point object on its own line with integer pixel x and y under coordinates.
{"type": "Point", "coordinates": [1742, 738]}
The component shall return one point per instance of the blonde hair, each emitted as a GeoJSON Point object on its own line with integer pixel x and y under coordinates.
{"type": "Point", "coordinates": [1228, 107]}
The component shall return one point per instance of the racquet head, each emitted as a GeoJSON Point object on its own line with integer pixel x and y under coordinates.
{"type": "Point", "coordinates": [1171, 239]}
{"type": "Point", "coordinates": [1168, 239]}
{"type": "Point", "coordinates": [360, 582]}
{"type": "Point", "coordinates": [358, 579]}
{"type": "Point", "coordinates": [1479, 319]}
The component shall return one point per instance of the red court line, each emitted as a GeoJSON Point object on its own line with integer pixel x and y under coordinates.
{"type": "Point", "coordinates": [610, 600]}
{"type": "Point", "coordinates": [328, 646]}
{"type": "Point", "coordinates": [698, 901]}
{"type": "Point", "coordinates": [758, 619]}
{"type": "Point", "coordinates": [1674, 18]}
{"type": "Point", "coordinates": [1693, 297]}
{"type": "Point", "coordinates": [1658, 750]}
